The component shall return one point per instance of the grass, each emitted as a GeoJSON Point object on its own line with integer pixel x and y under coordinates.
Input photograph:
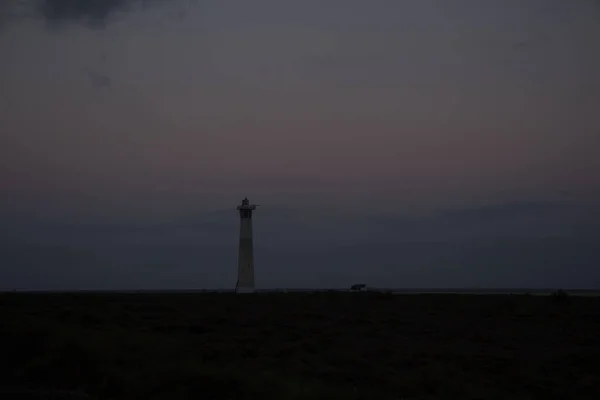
{"type": "Point", "coordinates": [300, 346]}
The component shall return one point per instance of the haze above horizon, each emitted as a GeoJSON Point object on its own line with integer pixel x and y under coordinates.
{"type": "Point", "coordinates": [411, 144]}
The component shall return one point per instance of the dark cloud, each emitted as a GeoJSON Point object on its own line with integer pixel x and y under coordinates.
{"type": "Point", "coordinates": [90, 13]}
{"type": "Point", "coordinates": [534, 219]}
{"type": "Point", "coordinates": [518, 220]}
{"type": "Point", "coordinates": [95, 13]}
{"type": "Point", "coordinates": [8, 11]}
{"type": "Point", "coordinates": [505, 210]}
{"type": "Point", "coordinates": [98, 79]}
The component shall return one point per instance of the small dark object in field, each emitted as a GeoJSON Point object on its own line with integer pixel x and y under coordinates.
{"type": "Point", "coordinates": [560, 296]}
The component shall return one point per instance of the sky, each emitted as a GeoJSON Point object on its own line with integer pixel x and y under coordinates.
{"type": "Point", "coordinates": [418, 143]}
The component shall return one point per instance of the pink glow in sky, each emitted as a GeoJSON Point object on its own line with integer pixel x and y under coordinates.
{"type": "Point", "coordinates": [200, 101]}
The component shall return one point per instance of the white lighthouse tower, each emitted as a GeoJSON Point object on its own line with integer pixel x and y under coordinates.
{"type": "Point", "coordinates": [245, 282]}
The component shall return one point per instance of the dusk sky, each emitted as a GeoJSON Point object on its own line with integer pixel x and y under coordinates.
{"type": "Point", "coordinates": [422, 143]}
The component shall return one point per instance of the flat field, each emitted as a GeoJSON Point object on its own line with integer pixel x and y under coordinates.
{"type": "Point", "coordinates": [299, 346]}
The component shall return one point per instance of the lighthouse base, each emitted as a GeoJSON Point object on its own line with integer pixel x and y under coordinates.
{"type": "Point", "coordinates": [244, 290]}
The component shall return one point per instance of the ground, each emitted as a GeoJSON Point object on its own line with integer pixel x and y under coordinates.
{"type": "Point", "coordinates": [301, 346]}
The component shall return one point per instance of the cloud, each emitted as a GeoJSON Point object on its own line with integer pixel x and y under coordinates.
{"type": "Point", "coordinates": [8, 11]}
{"type": "Point", "coordinates": [505, 210]}
{"type": "Point", "coordinates": [487, 223]}
{"type": "Point", "coordinates": [90, 13]}
{"type": "Point", "coordinates": [98, 79]}
{"type": "Point", "coordinates": [94, 13]}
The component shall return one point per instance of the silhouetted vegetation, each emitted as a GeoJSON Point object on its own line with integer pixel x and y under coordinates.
{"type": "Point", "coordinates": [299, 346]}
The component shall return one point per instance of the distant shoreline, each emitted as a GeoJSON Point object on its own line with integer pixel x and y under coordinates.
{"type": "Point", "coordinates": [395, 291]}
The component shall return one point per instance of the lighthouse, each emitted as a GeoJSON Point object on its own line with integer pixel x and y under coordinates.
{"type": "Point", "coordinates": [245, 282]}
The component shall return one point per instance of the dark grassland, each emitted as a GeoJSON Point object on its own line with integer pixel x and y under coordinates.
{"type": "Point", "coordinates": [300, 346]}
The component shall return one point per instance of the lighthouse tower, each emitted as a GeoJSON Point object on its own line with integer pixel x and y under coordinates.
{"type": "Point", "coordinates": [245, 282]}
